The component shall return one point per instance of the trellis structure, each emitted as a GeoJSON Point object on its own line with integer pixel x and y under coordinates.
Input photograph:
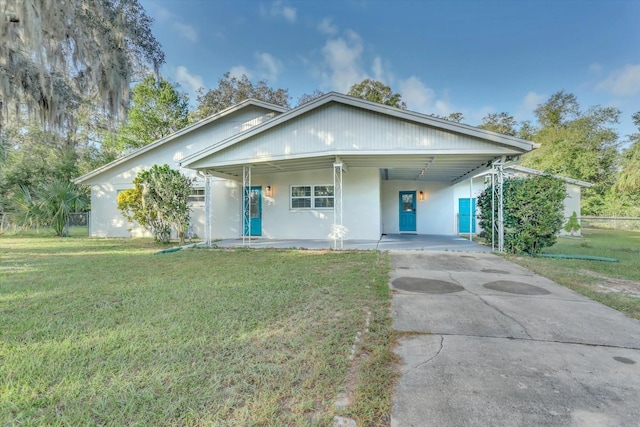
{"type": "Point", "coordinates": [246, 205]}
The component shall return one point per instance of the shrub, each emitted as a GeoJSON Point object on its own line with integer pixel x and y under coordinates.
{"type": "Point", "coordinates": [533, 213]}
{"type": "Point", "coordinates": [572, 224]}
{"type": "Point", "coordinates": [158, 202]}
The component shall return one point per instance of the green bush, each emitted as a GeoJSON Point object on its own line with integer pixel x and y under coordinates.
{"type": "Point", "coordinates": [572, 224]}
{"type": "Point", "coordinates": [159, 202]}
{"type": "Point", "coordinates": [533, 213]}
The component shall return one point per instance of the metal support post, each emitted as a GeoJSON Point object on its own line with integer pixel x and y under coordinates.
{"type": "Point", "coordinates": [493, 213]}
{"type": "Point", "coordinates": [246, 205]}
{"type": "Point", "coordinates": [338, 227]}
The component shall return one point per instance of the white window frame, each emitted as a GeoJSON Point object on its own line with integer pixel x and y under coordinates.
{"type": "Point", "coordinates": [312, 197]}
{"type": "Point", "coordinates": [196, 197]}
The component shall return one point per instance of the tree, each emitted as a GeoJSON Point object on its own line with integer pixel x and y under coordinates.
{"type": "Point", "coordinates": [576, 144]}
{"type": "Point", "coordinates": [157, 109]}
{"type": "Point", "coordinates": [456, 117]}
{"type": "Point", "coordinates": [572, 224]}
{"type": "Point", "coordinates": [50, 205]}
{"type": "Point", "coordinates": [308, 97]}
{"type": "Point", "coordinates": [533, 213]}
{"type": "Point", "coordinates": [503, 123]}
{"type": "Point", "coordinates": [34, 156]}
{"type": "Point", "coordinates": [54, 53]}
{"type": "Point", "coordinates": [629, 176]}
{"type": "Point", "coordinates": [233, 90]}
{"type": "Point", "coordinates": [375, 91]}
{"type": "Point", "coordinates": [158, 202]}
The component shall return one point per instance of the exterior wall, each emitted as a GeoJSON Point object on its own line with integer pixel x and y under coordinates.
{"type": "Point", "coordinates": [107, 221]}
{"type": "Point", "coordinates": [571, 205]}
{"type": "Point", "coordinates": [434, 214]}
{"type": "Point", "coordinates": [361, 206]}
{"type": "Point", "coordinates": [226, 209]}
{"type": "Point", "coordinates": [345, 129]}
{"type": "Point", "coordinates": [571, 202]}
{"type": "Point", "coordinates": [462, 191]}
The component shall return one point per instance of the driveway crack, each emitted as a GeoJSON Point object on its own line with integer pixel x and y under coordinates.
{"type": "Point", "coordinates": [487, 303]}
{"type": "Point", "coordinates": [432, 357]}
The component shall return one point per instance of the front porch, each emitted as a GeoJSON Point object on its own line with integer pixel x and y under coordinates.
{"type": "Point", "coordinates": [390, 242]}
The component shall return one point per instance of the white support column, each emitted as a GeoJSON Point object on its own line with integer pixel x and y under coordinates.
{"type": "Point", "coordinates": [338, 227]}
{"type": "Point", "coordinates": [246, 206]}
{"type": "Point", "coordinates": [207, 210]}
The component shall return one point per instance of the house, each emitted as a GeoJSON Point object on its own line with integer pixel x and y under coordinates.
{"type": "Point", "coordinates": [335, 168]}
{"type": "Point", "coordinates": [467, 192]}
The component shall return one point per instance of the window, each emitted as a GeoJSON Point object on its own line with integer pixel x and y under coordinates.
{"type": "Point", "coordinates": [312, 196]}
{"type": "Point", "coordinates": [197, 195]}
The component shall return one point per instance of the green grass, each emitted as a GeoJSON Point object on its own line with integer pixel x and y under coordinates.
{"type": "Point", "coordinates": [586, 277]}
{"type": "Point", "coordinates": [103, 332]}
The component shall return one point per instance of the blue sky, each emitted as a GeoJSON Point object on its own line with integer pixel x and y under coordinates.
{"type": "Point", "coordinates": [476, 57]}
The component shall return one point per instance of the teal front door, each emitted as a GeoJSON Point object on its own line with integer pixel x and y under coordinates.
{"type": "Point", "coordinates": [407, 211]}
{"type": "Point", "coordinates": [466, 216]}
{"type": "Point", "coordinates": [252, 202]}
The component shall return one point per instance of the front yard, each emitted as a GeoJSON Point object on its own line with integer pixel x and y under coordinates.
{"type": "Point", "coordinates": [614, 284]}
{"type": "Point", "coordinates": [102, 331]}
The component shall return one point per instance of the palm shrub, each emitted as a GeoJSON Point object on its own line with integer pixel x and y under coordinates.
{"type": "Point", "coordinates": [49, 205]}
{"type": "Point", "coordinates": [533, 213]}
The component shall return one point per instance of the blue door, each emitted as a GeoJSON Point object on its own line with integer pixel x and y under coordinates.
{"type": "Point", "coordinates": [407, 211]}
{"type": "Point", "coordinates": [253, 201]}
{"type": "Point", "coordinates": [464, 215]}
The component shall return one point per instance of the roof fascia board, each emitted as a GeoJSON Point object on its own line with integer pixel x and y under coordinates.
{"type": "Point", "coordinates": [567, 179]}
{"type": "Point", "coordinates": [179, 133]}
{"type": "Point", "coordinates": [194, 164]}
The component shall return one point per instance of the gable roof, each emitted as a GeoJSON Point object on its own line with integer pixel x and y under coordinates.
{"type": "Point", "coordinates": [183, 131]}
{"type": "Point", "coordinates": [459, 128]}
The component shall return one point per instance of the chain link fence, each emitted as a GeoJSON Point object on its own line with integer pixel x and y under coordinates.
{"type": "Point", "coordinates": [611, 222]}
{"type": "Point", "coordinates": [78, 221]}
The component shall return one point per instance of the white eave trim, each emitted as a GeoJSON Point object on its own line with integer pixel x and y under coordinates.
{"type": "Point", "coordinates": [185, 130]}
{"type": "Point", "coordinates": [517, 143]}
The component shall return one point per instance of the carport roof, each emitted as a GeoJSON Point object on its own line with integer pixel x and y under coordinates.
{"type": "Point", "coordinates": [420, 164]}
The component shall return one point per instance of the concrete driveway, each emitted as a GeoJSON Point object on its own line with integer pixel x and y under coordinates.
{"type": "Point", "coordinates": [490, 343]}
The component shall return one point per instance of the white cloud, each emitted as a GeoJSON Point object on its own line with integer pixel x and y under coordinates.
{"type": "Point", "coordinates": [270, 67]}
{"type": "Point", "coordinates": [416, 94]}
{"type": "Point", "coordinates": [187, 31]}
{"type": "Point", "coordinates": [238, 71]}
{"type": "Point", "coordinates": [622, 82]}
{"type": "Point", "coordinates": [159, 13]}
{"type": "Point", "coordinates": [343, 56]}
{"type": "Point", "coordinates": [279, 9]}
{"type": "Point", "coordinates": [378, 72]}
{"type": "Point", "coordinates": [531, 101]}
{"type": "Point", "coordinates": [189, 81]}
{"type": "Point", "coordinates": [327, 27]}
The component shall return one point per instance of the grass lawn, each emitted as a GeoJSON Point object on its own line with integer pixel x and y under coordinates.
{"type": "Point", "coordinates": [614, 284]}
{"type": "Point", "coordinates": [104, 332]}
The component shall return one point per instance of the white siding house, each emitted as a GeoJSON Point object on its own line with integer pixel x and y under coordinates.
{"type": "Point", "coordinates": [335, 165]}
{"type": "Point", "coordinates": [471, 189]}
